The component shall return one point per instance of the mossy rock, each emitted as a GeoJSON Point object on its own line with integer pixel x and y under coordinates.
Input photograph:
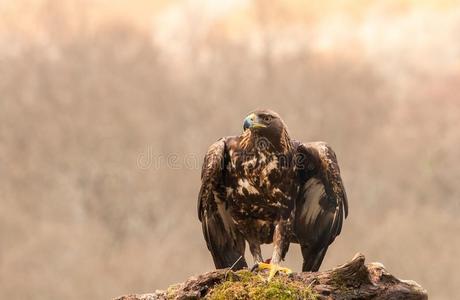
{"type": "Point", "coordinates": [244, 285]}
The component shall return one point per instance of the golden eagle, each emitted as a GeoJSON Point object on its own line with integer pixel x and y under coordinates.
{"type": "Point", "coordinates": [264, 187]}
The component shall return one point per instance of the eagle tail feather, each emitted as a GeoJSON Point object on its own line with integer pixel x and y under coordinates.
{"type": "Point", "coordinates": [312, 258]}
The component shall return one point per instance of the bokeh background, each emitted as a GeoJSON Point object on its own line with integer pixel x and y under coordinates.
{"type": "Point", "coordinates": [107, 108]}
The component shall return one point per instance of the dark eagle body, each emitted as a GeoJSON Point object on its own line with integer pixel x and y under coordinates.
{"type": "Point", "coordinates": [258, 189]}
{"type": "Point", "coordinates": [262, 187]}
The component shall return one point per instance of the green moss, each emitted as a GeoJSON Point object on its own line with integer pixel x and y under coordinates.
{"type": "Point", "coordinates": [246, 285]}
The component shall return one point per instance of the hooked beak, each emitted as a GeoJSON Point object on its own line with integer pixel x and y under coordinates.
{"type": "Point", "coordinates": [252, 121]}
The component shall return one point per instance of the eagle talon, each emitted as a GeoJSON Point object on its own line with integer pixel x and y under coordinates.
{"type": "Point", "coordinates": [274, 269]}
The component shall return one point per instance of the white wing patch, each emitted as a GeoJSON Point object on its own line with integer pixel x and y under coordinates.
{"type": "Point", "coordinates": [314, 191]}
{"type": "Point", "coordinates": [226, 219]}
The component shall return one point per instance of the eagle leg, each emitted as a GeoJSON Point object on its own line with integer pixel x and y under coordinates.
{"type": "Point", "coordinates": [256, 252]}
{"type": "Point", "coordinates": [281, 244]}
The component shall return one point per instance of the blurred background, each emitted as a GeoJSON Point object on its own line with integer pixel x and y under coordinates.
{"type": "Point", "coordinates": [107, 108]}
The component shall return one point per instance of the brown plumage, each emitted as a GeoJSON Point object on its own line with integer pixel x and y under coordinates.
{"type": "Point", "coordinates": [263, 187]}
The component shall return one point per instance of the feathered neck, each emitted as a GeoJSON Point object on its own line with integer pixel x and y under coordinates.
{"type": "Point", "coordinates": [251, 141]}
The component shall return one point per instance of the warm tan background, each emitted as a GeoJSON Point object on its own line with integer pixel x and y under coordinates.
{"type": "Point", "coordinates": [96, 95]}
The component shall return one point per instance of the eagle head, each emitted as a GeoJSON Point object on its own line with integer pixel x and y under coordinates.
{"type": "Point", "coordinates": [268, 125]}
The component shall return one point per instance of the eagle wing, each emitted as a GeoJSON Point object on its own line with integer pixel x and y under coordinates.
{"type": "Point", "coordinates": [223, 240]}
{"type": "Point", "coordinates": [322, 202]}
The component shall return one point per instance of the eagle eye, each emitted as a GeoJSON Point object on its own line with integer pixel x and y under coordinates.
{"type": "Point", "coordinates": [267, 118]}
